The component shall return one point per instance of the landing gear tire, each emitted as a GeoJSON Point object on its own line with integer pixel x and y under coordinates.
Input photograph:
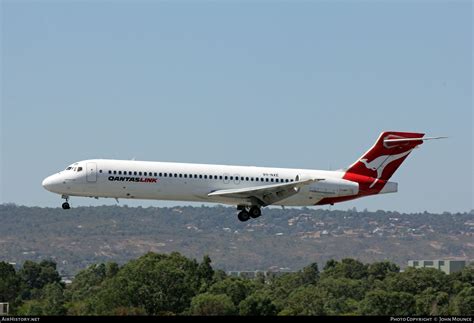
{"type": "Point", "coordinates": [255, 212]}
{"type": "Point", "coordinates": [66, 206]}
{"type": "Point", "coordinates": [243, 216]}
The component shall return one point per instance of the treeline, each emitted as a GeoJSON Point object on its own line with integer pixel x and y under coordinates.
{"type": "Point", "coordinates": [161, 284]}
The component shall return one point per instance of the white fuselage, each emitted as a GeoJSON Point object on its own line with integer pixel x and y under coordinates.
{"type": "Point", "coordinates": [190, 182]}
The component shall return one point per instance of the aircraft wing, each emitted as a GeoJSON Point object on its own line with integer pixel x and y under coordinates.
{"type": "Point", "coordinates": [266, 194]}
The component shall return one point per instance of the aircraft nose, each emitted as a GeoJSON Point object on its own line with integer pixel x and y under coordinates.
{"type": "Point", "coordinates": [50, 182]}
{"type": "Point", "coordinates": [47, 182]}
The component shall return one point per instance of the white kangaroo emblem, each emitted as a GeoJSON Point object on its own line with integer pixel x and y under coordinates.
{"type": "Point", "coordinates": [379, 163]}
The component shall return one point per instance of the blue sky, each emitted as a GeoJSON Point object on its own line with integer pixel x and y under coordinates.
{"type": "Point", "coordinates": [285, 84]}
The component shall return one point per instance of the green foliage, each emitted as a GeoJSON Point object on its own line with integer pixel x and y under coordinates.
{"type": "Point", "coordinates": [171, 284]}
{"type": "Point", "coordinates": [236, 288]}
{"type": "Point", "coordinates": [463, 303]}
{"type": "Point", "coordinates": [53, 299]}
{"type": "Point", "coordinates": [308, 300]}
{"type": "Point", "coordinates": [87, 282]}
{"type": "Point", "coordinates": [431, 302]}
{"type": "Point", "coordinates": [280, 288]}
{"type": "Point", "coordinates": [310, 274]}
{"type": "Point", "coordinates": [212, 304]}
{"type": "Point", "coordinates": [10, 283]}
{"type": "Point", "coordinates": [156, 283]}
{"type": "Point", "coordinates": [347, 268]}
{"type": "Point", "coordinates": [380, 270]}
{"type": "Point", "coordinates": [380, 302]}
{"type": "Point", "coordinates": [205, 272]}
{"type": "Point", "coordinates": [35, 276]}
{"type": "Point", "coordinates": [416, 281]}
{"type": "Point", "coordinates": [257, 304]}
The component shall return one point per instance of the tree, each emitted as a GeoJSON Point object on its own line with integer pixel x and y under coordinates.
{"type": "Point", "coordinates": [157, 283]}
{"type": "Point", "coordinates": [463, 303]}
{"type": "Point", "coordinates": [379, 270]}
{"type": "Point", "coordinates": [9, 283]}
{"type": "Point", "coordinates": [347, 268]}
{"type": "Point", "coordinates": [257, 304]}
{"type": "Point", "coordinates": [111, 269]}
{"type": "Point", "coordinates": [280, 287]}
{"type": "Point", "coordinates": [431, 302]}
{"type": "Point", "coordinates": [310, 274]}
{"type": "Point", "coordinates": [88, 281]}
{"type": "Point", "coordinates": [380, 302]}
{"type": "Point", "coordinates": [53, 299]}
{"type": "Point", "coordinates": [236, 288]}
{"type": "Point", "coordinates": [205, 272]}
{"type": "Point", "coordinates": [210, 304]}
{"type": "Point", "coordinates": [343, 293]}
{"type": "Point", "coordinates": [36, 276]}
{"type": "Point", "coordinates": [415, 281]}
{"type": "Point", "coordinates": [308, 300]}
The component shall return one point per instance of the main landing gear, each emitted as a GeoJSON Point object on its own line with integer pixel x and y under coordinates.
{"type": "Point", "coordinates": [66, 205]}
{"type": "Point", "coordinates": [245, 214]}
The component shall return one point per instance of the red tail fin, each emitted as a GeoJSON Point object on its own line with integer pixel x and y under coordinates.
{"type": "Point", "coordinates": [383, 159]}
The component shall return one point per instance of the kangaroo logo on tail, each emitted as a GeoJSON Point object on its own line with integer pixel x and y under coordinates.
{"type": "Point", "coordinates": [379, 163]}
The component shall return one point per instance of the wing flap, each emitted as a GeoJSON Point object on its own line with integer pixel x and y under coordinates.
{"type": "Point", "coordinates": [267, 194]}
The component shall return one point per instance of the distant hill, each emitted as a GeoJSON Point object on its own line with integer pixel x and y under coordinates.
{"type": "Point", "coordinates": [280, 239]}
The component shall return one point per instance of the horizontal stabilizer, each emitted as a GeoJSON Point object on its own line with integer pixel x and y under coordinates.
{"type": "Point", "coordinates": [412, 139]}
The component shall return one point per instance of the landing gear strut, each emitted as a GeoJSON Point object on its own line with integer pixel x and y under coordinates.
{"type": "Point", "coordinates": [245, 215]}
{"type": "Point", "coordinates": [66, 205]}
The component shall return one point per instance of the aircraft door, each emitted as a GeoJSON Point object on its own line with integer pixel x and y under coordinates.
{"type": "Point", "coordinates": [91, 170]}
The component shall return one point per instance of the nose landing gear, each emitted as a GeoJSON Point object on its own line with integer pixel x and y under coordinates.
{"type": "Point", "coordinates": [66, 205]}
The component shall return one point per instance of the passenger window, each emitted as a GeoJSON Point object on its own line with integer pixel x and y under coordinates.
{"type": "Point", "coordinates": [286, 180]}
{"type": "Point", "coordinates": [271, 180]}
{"type": "Point", "coordinates": [120, 172]}
{"type": "Point", "coordinates": [200, 176]}
{"type": "Point", "coordinates": [225, 178]}
{"type": "Point", "coordinates": [160, 174]}
{"type": "Point", "coordinates": [164, 174]}
{"type": "Point", "coordinates": [156, 174]}
{"type": "Point", "coordinates": [262, 180]}
{"type": "Point", "coordinates": [129, 173]}
{"type": "Point", "coordinates": [175, 175]}
{"type": "Point", "coordinates": [144, 173]}
{"type": "Point", "coordinates": [115, 172]}
{"type": "Point", "coordinates": [135, 173]}
{"type": "Point", "coordinates": [215, 176]}
{"type": "Point", "coordinates": [100, 171]}
{"type": "Point", "coordinates": [232, 178]}
{"type": "Point", "coordinates": [205, 176]}
{"type": "Point", "coordinates": [110, 172]}
{"type": "Point", "coordinates": [220, 177]}
{"type": "Point", "coordinates": [266, 179]}
{"type": "Point", "coordinates": [242, 178]}
{"type": "Point", "coordinates": [251, 179]}
{"type": "Point", "coordinates": [180, 175]}
{"type": "Point", "coordinates": [246, 178]}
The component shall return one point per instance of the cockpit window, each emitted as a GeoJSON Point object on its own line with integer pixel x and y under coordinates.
{"type": "Point", "coordinates": [68, 168]}
{"type": "Point", "coordinates": [79, 169]}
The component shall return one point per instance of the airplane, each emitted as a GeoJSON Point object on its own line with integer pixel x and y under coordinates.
{"type": "Point", "coordinates": [248, 187]}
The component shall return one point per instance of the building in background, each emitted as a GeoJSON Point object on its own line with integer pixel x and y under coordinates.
{"type": "Point", "coordinates": [448, 266]}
